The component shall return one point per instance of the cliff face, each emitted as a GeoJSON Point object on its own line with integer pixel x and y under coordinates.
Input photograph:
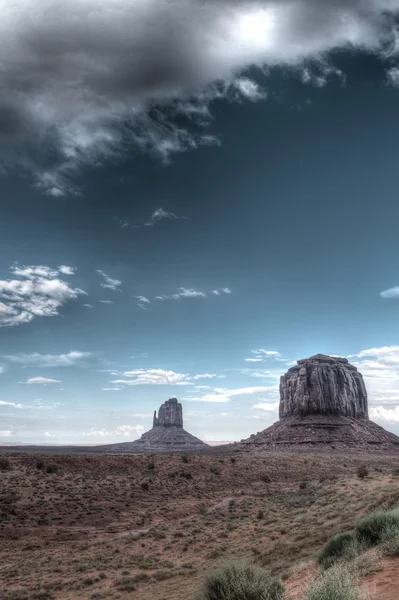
{"type": "Point", "coordinates": [170, 414]}
{"type": "Point", "coordinates": [323, 385]}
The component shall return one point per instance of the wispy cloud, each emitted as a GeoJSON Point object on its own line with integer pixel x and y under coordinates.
{"type": "Point", "coordinates": [271, 407]}
{"type": "Point", "coordinates": [183, 293]}
{"type": "Point", "coordinates": [38, 291]}
{"type": "Point", "coordinates": [160, 377]}
{"type": "Point", "coordinates": [71, 359]}
{"type": "Point", "coordinates": [11, 404]}
{"type": "Point", "coordinates": [41, 380]}
{"type": "Point", "coordinates": [158, 215]}
{"type": "Point", "coordinates": [134, 431]}
{"type": "Point", "coordinates": [107, 302]}
{"type": "Point", "coordinates": [161, 214]}
{"type": "Point", "coordinates": [5, 433]}
{"type": "Point", "coordinates": [109, 283]}
{"type": "Point", "coordinates": [142, 302]}
{"type": "Point", "coordinates": [151, 377]}
{"type": "Point", "coordinates": [261, 355]}
{"type": "Point", "coordinates": [223, 395]}
{"type": "Point", "coordinates": [220, 291]}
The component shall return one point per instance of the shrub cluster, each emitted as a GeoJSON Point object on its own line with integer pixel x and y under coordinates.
{"type": "Point", "coordinates": [369, 531]}
{"type": "Point", "coordinates": [240, 581]}
{"type": "Point", "coordinates": [378, 527]}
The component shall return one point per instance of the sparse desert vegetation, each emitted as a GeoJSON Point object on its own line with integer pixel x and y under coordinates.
{"type": "Point", "coordinates": [156, 527]}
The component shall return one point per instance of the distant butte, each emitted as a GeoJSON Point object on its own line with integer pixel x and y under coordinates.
{"type": "Point", "coordinates": [323, 404]}
{"type": "Point", "coordinates": [167, 434]}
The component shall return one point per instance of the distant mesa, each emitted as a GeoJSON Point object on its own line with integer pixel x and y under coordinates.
{"type": "Point", "coordinates": [323, 403]}
{"type": "Point", "coordinates": [167, 434]}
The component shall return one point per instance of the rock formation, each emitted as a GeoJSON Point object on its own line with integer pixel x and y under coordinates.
{"type": "Point", "coordinates": [323, 404]}
{"type": "Point", "coordinates": [170, 414]}
{"type": "Point", "coordinates": [323, 385]}
{"type": "Point", "coordinates": [167, 434]}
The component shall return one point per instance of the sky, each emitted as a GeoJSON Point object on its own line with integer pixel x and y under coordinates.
{"type": "Point", "coordinates": [194, 195]}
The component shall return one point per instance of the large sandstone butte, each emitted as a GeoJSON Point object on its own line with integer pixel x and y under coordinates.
{"type": "Point", "coordinates": [167, 434]}
{"type": "Point", "coordinates": [323, 385]}
{"type": "Point", "coordinates": [323, 404]}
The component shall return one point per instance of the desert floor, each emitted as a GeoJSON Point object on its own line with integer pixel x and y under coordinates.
{"type": "Point", "coordinates": [151, 526]}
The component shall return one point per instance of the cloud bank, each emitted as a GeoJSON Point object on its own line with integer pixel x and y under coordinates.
{"type": "Point", "coordinates": [83, 81]}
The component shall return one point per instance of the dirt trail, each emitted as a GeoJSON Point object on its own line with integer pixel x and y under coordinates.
{"type": "Point", "coordinates": [385, 583]}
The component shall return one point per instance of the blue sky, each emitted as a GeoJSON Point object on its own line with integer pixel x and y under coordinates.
{"type": "Point", "coordinates": [213, 219]}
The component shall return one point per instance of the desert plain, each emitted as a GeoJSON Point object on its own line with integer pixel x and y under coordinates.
{"type": "Point", "coordinates": [150, 527]}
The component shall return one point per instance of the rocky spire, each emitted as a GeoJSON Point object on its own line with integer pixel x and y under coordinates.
{"type": "Point", "coordinates": [323, 385]}
{"type": "Point", "coordinates": [170, 414]}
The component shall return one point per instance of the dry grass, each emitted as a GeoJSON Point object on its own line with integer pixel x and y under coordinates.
{"type": "Point", "coordinates": [93, 530]}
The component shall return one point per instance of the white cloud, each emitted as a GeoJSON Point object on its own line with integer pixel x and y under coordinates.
{"type": "Point", "coordinates": [38, 292]}
{"type": "Point", "coordinates": [261, 355]}
{"type": "Point", "coordinates": [1, 369]}
{"type": "Point", "coordinates": [129, 430]}
{"type": "Point", "coordinates": [151, 377]}
{"type": "Point", "coordinates": [71, 359]}
{"type": "Point", "coordinates": [161, 214]}
{"type": "Point", "coordinates": [143, 302]}
{"type": "Point", "coordinates": [111, 389]}
{"type": "Point", "coordinates": [384, 415]}
{"type": "Point", "coordinates": [65, 270]}
{"type": "Point", "coordinates": [188, 293]}
{"type": "Point", "coordinates": [143, 299]}
{"type": "Point", "coordinates": [160, 377]}
{"type": "Point", "coordinates": [87, 80]}
{"type": "Point", "coordinates": [5, 433]}
{"type": "Point", "coordinates": [41, 380]}
{"type": "Point", "coordinates": [267, 406]}
{"type": "Point", "coordinates": [191, 293]}
{"type": "Point", "coordinates": [88, 306]}
{"type": "Point", "coordinates": [109, 282]}
{"type": "Point", "coordinates": [380, 369]}
{"type": "Point", "coordinates": [266, 374]}
{"type": "Point", "coordinates": [11, 404]}
{"type": "Point", "coordinates": [391, 293]}
{"type": "Point", "coordinates": [107, 301]}
{"type": "Point", "coordinates": [222, 395]}
{"type": "Point", "coordinates": [134, 431]}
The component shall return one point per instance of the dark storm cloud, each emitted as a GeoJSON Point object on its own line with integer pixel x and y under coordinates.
{"type": "Point", "coordinates": [80, 79]}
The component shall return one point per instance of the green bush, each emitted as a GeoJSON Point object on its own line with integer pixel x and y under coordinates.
{"type": "Point", "coordinates": [378, 527]}
{"type": "Point", "coordinates": [4, 463]}
{"type": "Point", "coordinates": [334, 584]}
{"type": "Point", "coordinates": [342, 545]}
{"type": "Point", "coordinates": [240, 581]}
{"type": "Point", "coordinates": [362, 472]}
{"type": "Point", "coordinates": [52, 468]}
